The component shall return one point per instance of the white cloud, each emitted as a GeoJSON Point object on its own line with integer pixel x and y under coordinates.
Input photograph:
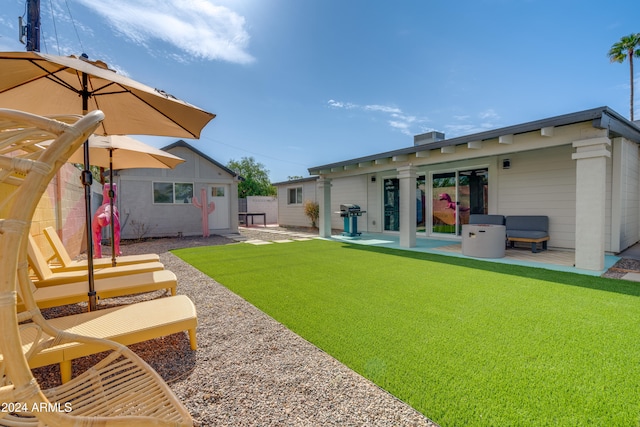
{"type": "Point", "coordinates": [470, 124]}
{"type": "Point", "coordinates": [197, 27]}
{"type": "Point", "coordinates": [488, 114]}
{"type": "Point", "coordinates": [382, 108]}
{"type": "Point", "coordinates": [399, 121]}
{"type": "Point", "coordinates": [403, 127]}
{"type": "Point", "coordinates": [462, 124]}
{"type": "Point", "coordinates": [338, 104]}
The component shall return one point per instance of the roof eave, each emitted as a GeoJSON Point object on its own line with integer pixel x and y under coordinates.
{"type": "Point", "coordinates": [601, 117]}
{"type": "Point", "coordinates": [182, 143]}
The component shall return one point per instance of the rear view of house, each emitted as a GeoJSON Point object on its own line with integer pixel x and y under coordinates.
{"type": "Point", "coordinates": [580, 169]}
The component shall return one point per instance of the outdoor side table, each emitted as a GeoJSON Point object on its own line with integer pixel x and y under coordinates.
{"type": "Point", "coordinates": [483, 240]}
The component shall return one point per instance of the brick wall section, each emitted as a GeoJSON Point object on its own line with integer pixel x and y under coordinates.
{"type": "Point", "coordinates": [71, 219]}
{"type": "Point", "coordinates": [62, 207]}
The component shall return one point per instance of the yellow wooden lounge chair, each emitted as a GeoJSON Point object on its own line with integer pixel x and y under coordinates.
{"type": "Point", "coordinates": [46, 277]}
{"type": "Point", "coordinates": [119, 390]}
{"type": "Point", "coordinates": [136, 323]}
{"type": "Point", "coordinates": [75, 292]}
{"type": "Point", "coordinates": [67, 264]}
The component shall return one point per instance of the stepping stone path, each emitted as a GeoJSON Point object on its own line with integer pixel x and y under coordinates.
{"type": "Point", "coordinates": [279, 236]}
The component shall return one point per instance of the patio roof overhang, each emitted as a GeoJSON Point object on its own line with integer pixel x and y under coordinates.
{"type": "Point", "coordinates": [600, 118]}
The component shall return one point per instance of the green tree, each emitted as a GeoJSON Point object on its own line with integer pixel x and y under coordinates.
{"type": "Point", "coordinates": [627, 47]}
{"type": "Point", "coordinates": [256, 178]}
{"type": "Point", "coordinates": [96, 171]}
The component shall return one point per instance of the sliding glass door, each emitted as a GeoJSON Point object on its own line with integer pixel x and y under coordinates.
{"type": "Point", "coordinates": [454, 196]}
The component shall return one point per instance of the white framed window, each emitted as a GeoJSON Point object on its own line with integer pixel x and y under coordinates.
{"type": "Point", "coordinates": [217, 191]}
{"type": "Point", "coordinates": [294, 196]}
{"type": "Point", "coordinates": [172, 192]}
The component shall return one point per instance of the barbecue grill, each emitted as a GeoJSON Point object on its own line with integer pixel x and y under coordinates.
{"type": "Point", "coordinates": [350, 214]}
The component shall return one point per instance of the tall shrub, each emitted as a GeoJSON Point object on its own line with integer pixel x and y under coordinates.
{"type": "Point", "coordinates": [312, 210]}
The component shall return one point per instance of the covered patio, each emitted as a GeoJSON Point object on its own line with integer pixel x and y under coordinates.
{"type": "Point", "coordinates": [551, 259]}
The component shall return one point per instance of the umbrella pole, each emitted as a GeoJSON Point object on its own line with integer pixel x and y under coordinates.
{"type": "Point", "coordinates": [111, 197]}
{"type": "Point", "coordinates": [87, 180]}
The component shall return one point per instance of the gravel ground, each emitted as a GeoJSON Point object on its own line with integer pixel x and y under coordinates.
{"type": "Point", "coordinates": [249, 370]}
{"type": "Point", "coordinates": [622, 267]}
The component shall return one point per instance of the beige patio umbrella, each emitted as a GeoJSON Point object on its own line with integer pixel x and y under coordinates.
{"type": "Point", "coordinates": [123, 152]}
{"type": "Point", "coordinates": [51, 85]}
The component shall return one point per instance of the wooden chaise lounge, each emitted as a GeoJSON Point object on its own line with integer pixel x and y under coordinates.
{"type": "Point", "coordinates": [75, 292]}
{"type": "Point", "coordinates": [63, 288]}
{"type": "Point", "coordinates": [120, 389]}
{"type": "Point", "coordinates": [46, 277]}
{"type": "Point", "coordinates": [127, 324]}
{"type": "Point", "coordinates": [67, 264]}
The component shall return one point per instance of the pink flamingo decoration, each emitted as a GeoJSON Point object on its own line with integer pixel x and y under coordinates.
{"type": "Point", "coordinates": [102, 218]}
{"type": "Point", "coordinates": [452, 205]}
{"type": "Point", "coordinates": [205, 210]}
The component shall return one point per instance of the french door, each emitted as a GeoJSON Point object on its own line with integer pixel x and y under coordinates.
{"type": "Point", "coordinates": [391, 196]}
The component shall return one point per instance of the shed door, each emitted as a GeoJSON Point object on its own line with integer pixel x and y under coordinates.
{"type": "Point", "coordinates": [219, 219]}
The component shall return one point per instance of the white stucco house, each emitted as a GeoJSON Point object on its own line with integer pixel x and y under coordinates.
{"type": "Point", "coordinates": [291, 197]}
{"type": "Point", "coordinates": [582, 170]}
{"type": "Point", "coordinates": [158, 202]}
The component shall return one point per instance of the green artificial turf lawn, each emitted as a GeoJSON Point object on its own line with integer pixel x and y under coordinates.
{"type": "Point", "coordinates": [466, 342]}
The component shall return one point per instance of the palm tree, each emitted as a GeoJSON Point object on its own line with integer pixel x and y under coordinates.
{"type": "Point", "coordinates": [628, 46]}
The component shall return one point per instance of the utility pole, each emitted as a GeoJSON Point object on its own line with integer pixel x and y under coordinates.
{"type": "Point", "coordinates": [33, 25]}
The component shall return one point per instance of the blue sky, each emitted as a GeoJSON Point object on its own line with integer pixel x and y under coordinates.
{"type": "Point", "coordinates": [302, 83]}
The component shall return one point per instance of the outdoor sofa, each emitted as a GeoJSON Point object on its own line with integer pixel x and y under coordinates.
{"type": "Point", "coordinates": [478, 219]}
{"type": "Point", "coordinates": [532, 229]}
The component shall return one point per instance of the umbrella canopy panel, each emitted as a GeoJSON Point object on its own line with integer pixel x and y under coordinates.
{"type": "Point", "coordinates": [49, 84]}
{"type": "Point", "coordinates": [127, 153]}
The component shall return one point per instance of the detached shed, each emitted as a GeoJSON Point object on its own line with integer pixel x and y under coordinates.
{"type": "Point", "coordinates": [159, 202]}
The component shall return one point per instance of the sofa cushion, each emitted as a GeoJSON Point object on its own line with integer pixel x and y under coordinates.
{"type": "Point", "coordinates": [486, 219]}
{"type": "Point", "coordinates": [538, 223]}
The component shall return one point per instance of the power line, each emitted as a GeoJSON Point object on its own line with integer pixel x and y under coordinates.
{"type": "Point", "coordinates": [73, 22]}
{"type": "Point", "coordinates": [255, 153]}
{"type": "Point", "coordinates": [55, 29]}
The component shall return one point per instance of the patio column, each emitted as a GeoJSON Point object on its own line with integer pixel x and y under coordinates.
{"type": "Point", "coordinates": [324, 203]}
{"type": "Point", "coordinates": [591, 178]}
{"type": "Point", "coordinates": [407, 177]}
